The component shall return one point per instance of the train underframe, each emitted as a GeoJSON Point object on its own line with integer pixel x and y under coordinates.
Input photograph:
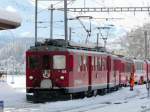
{"type": "Point", "coordinates": [50, 95]}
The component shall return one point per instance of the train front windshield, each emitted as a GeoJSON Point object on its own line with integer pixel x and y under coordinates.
{"type": "Point", "coordinates": [59, 62]}
{"type": "Point", "coordinates": [48, 62]}
{"type": "Point", "coordinates": [33, 62]}
{"type": "Point", "coordinates": [54, 62]}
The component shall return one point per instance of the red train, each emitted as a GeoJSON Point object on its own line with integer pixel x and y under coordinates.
{"type": "Point", "coordinates": [55, 72]}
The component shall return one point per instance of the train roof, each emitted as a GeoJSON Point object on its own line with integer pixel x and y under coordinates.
{"type": "Point", "coordinates": [138, 60]}
{"type": "Point", "coordinates": [87, 52]}
{"type": "Point", "coordinates": [9, 20]}
{"type": "Point", "coordinates": [61, 44]}
{"type": "Point", "coordinates": [148, 61]}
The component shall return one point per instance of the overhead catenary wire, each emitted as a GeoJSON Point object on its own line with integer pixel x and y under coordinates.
{"type": "Point", "coordinates": [71, 2]}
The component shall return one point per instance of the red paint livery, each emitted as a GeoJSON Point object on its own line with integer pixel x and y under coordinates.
{"type": "Point", "coordinates": [57, 71]}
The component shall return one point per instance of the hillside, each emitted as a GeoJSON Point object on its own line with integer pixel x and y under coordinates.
{"type": "Point", "coordinates": [12, 53]}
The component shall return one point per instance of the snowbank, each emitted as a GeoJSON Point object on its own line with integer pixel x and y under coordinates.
{"type": "Point", "coordinates": [123, 100]}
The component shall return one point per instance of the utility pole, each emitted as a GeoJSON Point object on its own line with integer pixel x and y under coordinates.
{"type": "Point", "coordinates": [65, 22]}
{"type": "Point", "coordinates": [145, 36]}
{"type": "Point", "coordinates": [70, 32]}
{"type": "Point", "coordinates": [97, 40]}
{"type": "Point", "coordinates": [102, 36]}
{"type": "Point", "coordinates": [51, 22]}
{"type": "Point", "coordinates": [146, 51]}
{"type": "Point", "coordinates": [36, 14]}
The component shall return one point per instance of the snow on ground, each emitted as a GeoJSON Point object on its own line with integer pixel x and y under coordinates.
{"type": "Point", "coordinates": [123, 100]}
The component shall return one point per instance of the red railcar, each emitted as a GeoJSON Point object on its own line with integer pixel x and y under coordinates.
{"type": "Point", "coordinates": [123, 77]}
{"type": "Point", "coordinates": [114, 70]}
{"type": "Point", "coordinates": [147, 76]}
{"type": "Point", "coordinates": [127, 67]}
{"type": "Point", "coordinates": [117, 70]}
{"type": "Point", "coordinates": [55, 70]}
{"type": "Point", "coordinates": [141, 67]}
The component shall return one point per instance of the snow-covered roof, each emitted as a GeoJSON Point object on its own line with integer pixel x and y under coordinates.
{"type": "Point", "coordinates": [9, 20]}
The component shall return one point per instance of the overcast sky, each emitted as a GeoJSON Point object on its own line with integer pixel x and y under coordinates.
{"type": "Point", "coordinates": [126, 22]}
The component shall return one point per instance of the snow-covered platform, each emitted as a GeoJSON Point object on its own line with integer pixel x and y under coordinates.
{"type": "Point", "coordinates": [9, 20]}
{"type": "Point", "coordinates": [123, 100]}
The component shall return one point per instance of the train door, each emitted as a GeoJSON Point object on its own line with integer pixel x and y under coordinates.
{"type": "Point", "coordinates": [117, 69]}
{"type": "Point", "coordinates": [108, 71]}
{"type": "Point", "coordinates": [113, 72]}
{"type": "Point", "coordinates": [89, 64]}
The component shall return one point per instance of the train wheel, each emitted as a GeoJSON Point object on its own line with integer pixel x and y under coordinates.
{"type": "Point", "coordinates": [29, 98]}
{"type": "Point", "coordinates": [89, 94]}
{"type": "Point", "coordinates": [102, 92]}
{"type": "Point", "coordinates": [82, 95]}
{"type": "Point", "coordinates": [116, 88]}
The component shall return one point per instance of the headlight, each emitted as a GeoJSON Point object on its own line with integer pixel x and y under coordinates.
{"type": "Point", "coordinates": [62, 77]}
{"type": "Point", "coordinates": [31, 77]}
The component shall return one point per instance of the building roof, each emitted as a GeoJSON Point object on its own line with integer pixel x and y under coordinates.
{"type": "Point", "coordinates": [9, 20]}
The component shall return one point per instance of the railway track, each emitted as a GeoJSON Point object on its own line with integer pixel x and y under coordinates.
{"type": "Point", "coordinates": [99, 105]}
{"type": "Point", "coordinates": [84, 105]}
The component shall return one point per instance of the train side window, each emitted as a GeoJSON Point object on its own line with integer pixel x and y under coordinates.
{"type": "Point", "coordinates": [96, 59]}
{"type": "Point", "coordinates": [142, 68]}
{"type": "Point", "coordinates": [33, 62]}
{"type": "Point", "coordinates": [103, 64]}
{"type": "Point", "coordinates": [84, 63]}
{"type": "Point", "coordinates": [71, 62]}
{"type": "Point", "coordinates": [79, 63]}
{"type": "Point", "coordinates": [128, 67]}
{"type": "Point", "coordinates": [99, 64]}
{"type": "Point", "coordinates": [93, 63]}
{"type": "Point", "coordinates": [139, 67]}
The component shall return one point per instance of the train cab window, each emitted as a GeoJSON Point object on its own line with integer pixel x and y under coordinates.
{"type": "Point", "coordinates": [59, 62]}
{"type": "Point", "coordinates": [46, 62]}
{"type": "Point", "coordinates": [85, 62]}
{"type": "Point", "coordinates": [33, 62]}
